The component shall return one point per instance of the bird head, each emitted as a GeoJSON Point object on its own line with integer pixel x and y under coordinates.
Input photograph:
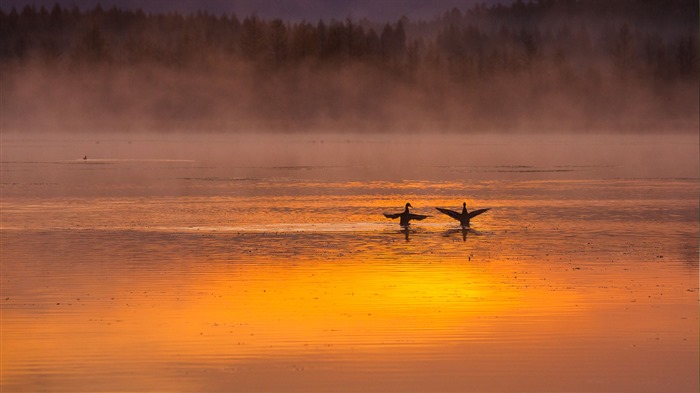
{"type": "Point", "coordinates": [408, 205]}
{"type": "Point", "coordinates": [464, 204]}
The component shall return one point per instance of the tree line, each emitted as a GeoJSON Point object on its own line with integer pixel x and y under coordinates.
{"type": "Point", "coordinates": [519, 58]}
{"type": "Point", "coordinates": [647, 38]}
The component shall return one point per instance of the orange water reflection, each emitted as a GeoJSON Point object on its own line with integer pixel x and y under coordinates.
{"type": "Point", "coordinates": [423, 306]}
{"type": "Point", "coordinates": [590, 284]}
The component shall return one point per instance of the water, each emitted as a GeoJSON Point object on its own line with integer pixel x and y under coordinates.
{"type": "Point", "coordinates": [214, 263]}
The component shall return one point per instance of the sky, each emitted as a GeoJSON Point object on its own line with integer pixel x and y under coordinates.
{"type": "Point", "coordinates": [378, 10]}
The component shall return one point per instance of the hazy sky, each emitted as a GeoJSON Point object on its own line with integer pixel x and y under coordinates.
{"type": "Point", "coordinates": [287, 9]}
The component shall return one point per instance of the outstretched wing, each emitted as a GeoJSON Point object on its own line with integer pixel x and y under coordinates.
{"type": "Point", "coordinates": [477, 212]}
{"type": "Point", "coordinates": [451, 213]}
{"type": "Point", "coordinates": [417, 216]}
{"type": "Point", "coordinates": [396, 215]}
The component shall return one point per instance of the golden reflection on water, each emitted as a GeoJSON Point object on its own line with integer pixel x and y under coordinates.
{"type": "Point", "coordinates": [278, 309]}
{"type": "Point", "coordinates": [170, 302]}
{"type": "Point", "coordinates": [364, 304]}
{"type": "Point", "coordinates": [304, 285]}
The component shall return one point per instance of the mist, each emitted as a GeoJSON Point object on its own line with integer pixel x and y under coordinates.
{"type": "Point", "coordinates": [544, 67]}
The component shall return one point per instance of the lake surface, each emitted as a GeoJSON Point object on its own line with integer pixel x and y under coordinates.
{"type": "Point", "coordinates": [240, 263]}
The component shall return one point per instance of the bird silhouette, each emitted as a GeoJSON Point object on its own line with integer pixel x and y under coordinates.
{"type": "Point", "coordinates": [405, 216]}
{"type": "Point", "coordinates": [464, 216]}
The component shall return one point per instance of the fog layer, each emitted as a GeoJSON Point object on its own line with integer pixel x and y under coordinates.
{"type": "Point", "coordinates": [548, 66]}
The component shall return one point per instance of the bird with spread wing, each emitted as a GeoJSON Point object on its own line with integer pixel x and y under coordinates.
{"type": "Point", "coordinates": [464, 217]}
{"type": "Point", "coordinates": [405, 216]}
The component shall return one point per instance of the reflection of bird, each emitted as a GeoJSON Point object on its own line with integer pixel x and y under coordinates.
{"type": "Point", "coordinates": [405, 216]}
{"type": "Point", "coordinates": [463, 231]}
{"type": "Point", "coordinates": [406, 232]}
{"type": "Point", "coordinates": [464, 216]}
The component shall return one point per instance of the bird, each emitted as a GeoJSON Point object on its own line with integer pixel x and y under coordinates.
{"type": "Point", "coordinates": [405, 216]}
{"type": "Point", "coordinates": [464, 216]}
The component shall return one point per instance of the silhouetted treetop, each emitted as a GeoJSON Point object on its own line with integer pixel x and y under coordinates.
{"type": "Point", "coordinates": [490, 62]}
{"type": "Point", "coordinates": [496, 37]}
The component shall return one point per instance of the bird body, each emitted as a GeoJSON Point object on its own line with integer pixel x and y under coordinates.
{"type": "Point", "coordinates": [464, 217]}
{"type": "Point", "coordinates": [405, 217]}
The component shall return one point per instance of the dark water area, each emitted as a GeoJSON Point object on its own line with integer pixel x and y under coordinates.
{"type": "Point", "coordinates": [218, 263]}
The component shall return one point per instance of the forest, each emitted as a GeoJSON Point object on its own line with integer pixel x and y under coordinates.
{"type": "Point", "coordinates": [549, 66]}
